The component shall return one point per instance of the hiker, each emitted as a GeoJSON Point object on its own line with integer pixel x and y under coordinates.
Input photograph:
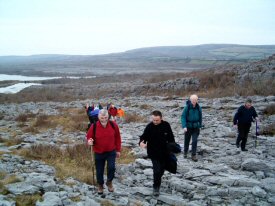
{"type": "Point", "coordinates": [92, 113]}
{"type": "Point", "coordinates": [105, 138]}
{"type": "Point", "coordinates": [155, 138]}
{"type": "Point", "coordinates": [120, 114]}
{"type": "Point", "coordinates": [112, 112]}
{"type": "Point", "coordinates": [108, 106]}
{"type": "Point", "coordinates": [242, 119]}
{"type": "Point", "coordinates": [89, 107]}
{"type": "Point", "coordinates": [191, 120]}
{"type": "Point", "coordinates": [100, 106]}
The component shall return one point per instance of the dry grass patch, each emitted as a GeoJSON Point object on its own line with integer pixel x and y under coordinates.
{"type": "Point", "coordinates": [268, 130]}
{"type": "Point", "coordinates": [30, 129]}
{"type": "Point", "coordinates": [2, 175]}
{"type": "Point", "coordinates": [134, 117]}
{"type": "Point", "coordinates": [10, 179]}
{"type": "Point", "coordinates": [145, 106]}
{"type": "Point", "coordinates": [269, 110]}
{"type": "Point", "coordinates": [106, 203]}
{"type": "Point", "coordinates": [76, 199]}
{"type": "Point", "coordinates": [5, 180]}
{"type": "Point", "coordinates": [74, 161]}
{"type": "Point", "coordinates": [70, 120]}
{"type": "Point", "coordinates": [24, 117]}
{"type": "Point", "coordinates": [27, 200]}
{"type": "Point", "coordinates": [126, 156]}
{"type": "Point", "coordinates": [3, 189]}
{"type": "Point", "coordinates": [11, 141]}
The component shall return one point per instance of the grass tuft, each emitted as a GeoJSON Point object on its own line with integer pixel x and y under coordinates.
{"type": "Point", "coordinates": [134, 117]}
{"type": "Point", "coordinates": [24, 117]}
{"type": "Point", "coordinates": [268, 130]}
{"type": "Point", "coordinates": [27, 200]}
{"type": "Point", "coordinates": [5, 180]}
{"type": "Point", "coordinates": [74, 161]}
{"type": "Point", "coordinates": [269, 110]}
{"type": "Point", "coordinates": [145, 106]}
{"type": "Point", "coordinates": [12, 141]}
{"type": "Point", "coordinates": [106, 203]}
{"type": "Point", "coordinates": [70, 120]}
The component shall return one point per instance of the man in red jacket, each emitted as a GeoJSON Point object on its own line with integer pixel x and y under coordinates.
{"type": "Point", "coordinates": [112, 112]}
{"type": "Point", "coordinates": [106, 142]}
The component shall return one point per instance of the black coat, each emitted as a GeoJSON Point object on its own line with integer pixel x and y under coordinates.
{"type": "Point", "coordinates": [244, 115]}
{"type": "Point", "coordinates": [157, 137]}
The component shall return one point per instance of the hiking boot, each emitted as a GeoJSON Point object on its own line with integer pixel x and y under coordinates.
{"type": "Point", "coordinates": [194, 158]}
{"type": "Point", "coordinates": [244, 150]}
{"type": "Point", "coordinates": [100, 189]}
{"type": "Point", "coordinates": [185, 155]}
{"type": "Point", "coordinates": [110, 186]}
{"type": "Point", "coordinates": [237, 145]}
{"type": "Point", "coordinates": [156, 191]}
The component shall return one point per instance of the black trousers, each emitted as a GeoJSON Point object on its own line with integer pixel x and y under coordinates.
{"type": "Point", "coordinates": [194, 133]}
{"type": "Point", "coordinates": [243, 130]}
{"type": "Point", "coordinates": [158, 171]}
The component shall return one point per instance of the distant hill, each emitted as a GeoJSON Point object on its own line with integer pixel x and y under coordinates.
{"type": "Point", "coordinates": [164, 58]}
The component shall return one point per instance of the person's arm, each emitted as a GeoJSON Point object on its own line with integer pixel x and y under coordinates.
{"type": "Point", "coordinates": [89, 135]}
{"type": "Point", "coordinates": [183, 118]}
{"type": "Point", "coordinates": [254, 113]}
{"type": "Point", "coordinates": [144, 136]}
{"type": "Point", "coordinates": [237, 115]}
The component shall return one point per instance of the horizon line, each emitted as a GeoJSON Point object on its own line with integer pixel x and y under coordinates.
{"type": "Point", "coordinates": [100, 54]}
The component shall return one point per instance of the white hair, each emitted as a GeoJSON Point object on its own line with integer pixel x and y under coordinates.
{"type": "Point", "coordinates": [194, 96]}
{"type": "Point", "coordinates": [103, 112]}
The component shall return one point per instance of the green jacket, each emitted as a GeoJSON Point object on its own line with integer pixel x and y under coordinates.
{"type": "Point", "coordinates": [191, 118]}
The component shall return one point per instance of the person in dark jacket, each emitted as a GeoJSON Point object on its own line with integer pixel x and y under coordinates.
{"type": "Point", "coordinates": [155, 138]}
{"type": "Point", "coordinates": [242, 119]}
{"type": "Point", "coordinates": [191, 120]}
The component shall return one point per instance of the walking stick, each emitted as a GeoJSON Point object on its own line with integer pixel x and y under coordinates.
{"type": "Point", "coordinates": [93, 165]}
{"type": "Point", "coordinates": [257, 133]}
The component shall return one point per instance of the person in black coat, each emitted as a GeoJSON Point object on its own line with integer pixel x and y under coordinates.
{"type": "Point", "coordinates": [243, 118]}
{"type": "Point", "coordinates": [155, 138]}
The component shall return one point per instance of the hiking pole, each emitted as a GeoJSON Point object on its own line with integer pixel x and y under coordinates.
{"type": "Point", "coordinates": [257, 133]}
{"type": "Point", "coordinates": [93, 165]}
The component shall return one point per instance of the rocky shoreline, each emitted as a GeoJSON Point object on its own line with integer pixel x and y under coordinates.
{"type": "Point", "coordinates": [223, 175]}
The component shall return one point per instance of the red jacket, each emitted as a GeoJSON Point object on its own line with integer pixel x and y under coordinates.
{"type": "Point", "coordinates": [106, 139]}
{"type": "Point", "coordinates": [112, 111]}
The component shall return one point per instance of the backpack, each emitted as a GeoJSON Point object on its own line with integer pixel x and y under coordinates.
{"type": "Point", "coordinates": [171, 163]}
{"type": "Point", "coordinates": [189, 104]}
{"type": "Point", "coordinates": [93, 113]}
{"type": "Point", "coordinates": [173, 147]}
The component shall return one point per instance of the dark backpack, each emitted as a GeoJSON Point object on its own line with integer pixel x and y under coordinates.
{"type": "Point", "coordinates": [173, 147]}
{"type": "Point", "coordinates": [171, 163]}
{"type": "Point", "coordinates": [189, 104]}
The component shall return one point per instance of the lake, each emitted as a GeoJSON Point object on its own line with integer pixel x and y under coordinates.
{"type": "Point", "coordinates": [20, 86]}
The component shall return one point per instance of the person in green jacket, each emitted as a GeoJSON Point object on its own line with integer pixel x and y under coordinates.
{"type": "Point", "coordinates": [191, 120]}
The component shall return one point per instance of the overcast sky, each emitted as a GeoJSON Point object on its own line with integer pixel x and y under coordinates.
{"type": "Point", "coordinates": [105, 26]}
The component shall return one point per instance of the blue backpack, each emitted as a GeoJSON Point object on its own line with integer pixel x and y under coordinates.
{"type": "Point", "coordinates": [93, 113]}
